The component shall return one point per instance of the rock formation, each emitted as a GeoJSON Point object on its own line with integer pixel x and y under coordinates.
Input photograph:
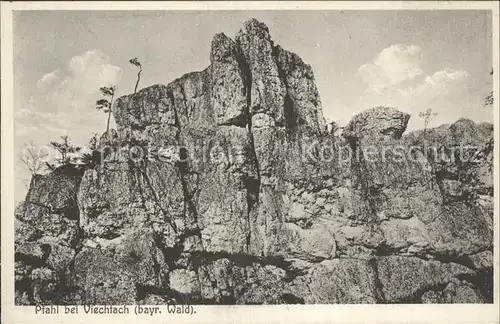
{"type": "Point", "coordinates": [225, 187]}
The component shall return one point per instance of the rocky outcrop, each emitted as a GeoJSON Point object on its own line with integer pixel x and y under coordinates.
{"type": "Point", "coordinates": [47, 235]}
{"type": "Point", "coordinates": [225, 187]}
{"type": "Point", "coordinates": [376, 122]}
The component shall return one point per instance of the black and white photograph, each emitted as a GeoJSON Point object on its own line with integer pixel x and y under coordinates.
{"type": "Point", "coordinates": [175, 159]}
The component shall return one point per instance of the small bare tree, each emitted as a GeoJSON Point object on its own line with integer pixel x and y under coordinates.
{"type": "Point", "coordinates": [33, 159]}
{"type": "Point", "coordinates": [136, 62]}
{"type": "Point", "coordinates": [427, 116]}
{"type": "Point", "coordinates": [106, 104]}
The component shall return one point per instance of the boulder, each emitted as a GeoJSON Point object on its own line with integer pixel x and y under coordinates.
{"type": "Point", "coordinates": [386, 122]}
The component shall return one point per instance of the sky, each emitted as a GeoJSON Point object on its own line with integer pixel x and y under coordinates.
{"type": "Point", "coordinates": [410, 60]}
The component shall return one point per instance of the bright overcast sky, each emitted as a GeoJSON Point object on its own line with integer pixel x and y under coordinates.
{"type": "Point", "coordinates": [408, 60]}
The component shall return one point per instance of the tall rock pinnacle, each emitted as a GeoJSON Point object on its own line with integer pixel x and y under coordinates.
{"type": "Point", "coordinates": [223, 187]}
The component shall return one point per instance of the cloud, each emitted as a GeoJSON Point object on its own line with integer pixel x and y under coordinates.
{"type": "Point", "coordinates": [396, 78]}
{"type": "Point", "coordinates": [65, 97]}
{"type": "Point", "coordinates": [93, 68]}
{"type": "Point", "coordinates": [393, 65]}
{"type": "Point", "coordinates": [76, 87]}
{"type": "Point", "coordinates": [48, 80]}
{"type": "Point", "coordinates": [449, 93]}
{"type": "Point", "coordinates": [440, 83]}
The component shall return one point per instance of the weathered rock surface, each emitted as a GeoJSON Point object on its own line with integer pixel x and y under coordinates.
{"type": "Point", "coordinates": [379, 121]}
{"type": "Point", "coordinates": [225, 186]}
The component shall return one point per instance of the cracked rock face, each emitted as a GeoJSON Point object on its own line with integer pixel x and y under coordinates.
{"type": "Point", "coordinates": [246, 198]}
